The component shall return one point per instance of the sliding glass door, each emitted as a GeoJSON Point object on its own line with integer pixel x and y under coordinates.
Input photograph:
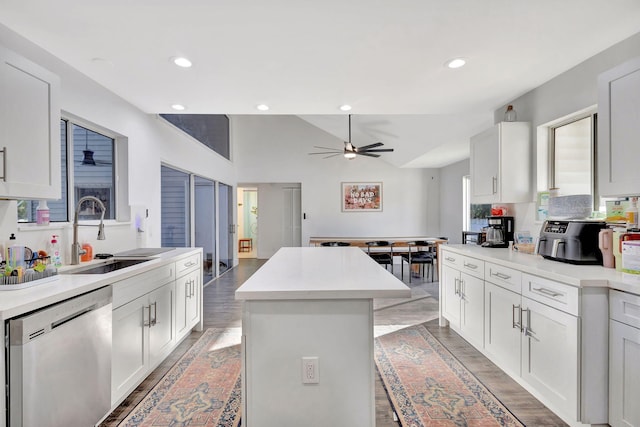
{"type": "Point", "coordinates": [227, 230]}
{"type": "Point", "coordinates": [205, 224]}
{"type": "Point", "coordinates": [175, 208]}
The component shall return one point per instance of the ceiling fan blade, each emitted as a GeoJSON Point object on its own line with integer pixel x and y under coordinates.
{"type": "Point", "coordinates": [366, 147]}
{"type": "Point", "coordinates": [368, 154]}
{"type": "Point", "coordinates": [332, 155]}
{"type": "Point", "coordinates": [378, 150]}
{"type": "Point", "coordinates": [328, 148]}
{"type": "Point", "coordinates": [327, 152]}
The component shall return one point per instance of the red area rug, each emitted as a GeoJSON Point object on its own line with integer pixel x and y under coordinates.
{"type": "Point", "coordinates": [427, 386]}
{"type": "Point", "coordinates": [202, 389]}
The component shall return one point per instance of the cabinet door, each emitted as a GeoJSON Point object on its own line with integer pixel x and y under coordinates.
{"type": "Point", "coordinates": [187, 302]}
{"type": "Point", "coordinates": [472, 309]}
{"type": "Point", "coordinates": [29, 129]}
{"type": "Point", "coordinates": [618, 130]}
{"type": "Point", "coordinates": [450, 295]}
{"type": "Point", "coordinates": [130, 347]}
{"type": "Point", "coordinates": [550, 355]}
{"type": "Point", "coordinates": [162, 325]}
{"type": "Point", "coordinates": [485, 166]}
{"type": "Point", "coordinates": [502, 327]}
{"type": "Point", "coordinates": [624, 372]}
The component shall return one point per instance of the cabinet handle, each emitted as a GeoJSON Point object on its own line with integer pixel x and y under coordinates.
{"type": "Point", "coordinates": [494, 184]}
{"type": "Point", "coordinates": [501, 275]}
{"type": "Point", "coordinates": [450, 259]}
{"type": "Point", "coordinates": [189, 264]}
{"type": "Point", "coordinates": [455, 286]}
{"type": "Point", "coordinates": [155, 314]}
{"type": "Point", "coordinates": [4, 164]}
{"type": "Point", "coordinates": [548, 292]}
{"type": "Point", "coordinates": [187, 291]}
{"type": "Point", "coordinates": [192, 287]}
{"type": "Point", "coordinates": [515, 324]}
{"type": "Point", "coordinates": [526, 329]}
{"type": "Point", "coordinates": [471, 266]}
{"type": "Point", "coordinates": [146, 323]}
{"type": "Point", "coordinates": [462, 289]}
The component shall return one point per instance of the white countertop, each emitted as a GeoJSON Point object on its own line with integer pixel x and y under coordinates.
{"type": "Point", "coordinates": [576, 275]}
{"type": "Point", "coordinates": [64, 286]}
{"type": "Point", "coordinates": [321, 273]}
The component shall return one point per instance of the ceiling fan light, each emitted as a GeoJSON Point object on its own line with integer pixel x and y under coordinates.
{"type": "Point", "coordinates": [349, 155]}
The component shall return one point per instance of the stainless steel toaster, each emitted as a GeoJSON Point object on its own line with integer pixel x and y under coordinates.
{"type": "Point", "coordinates": [572, 241]}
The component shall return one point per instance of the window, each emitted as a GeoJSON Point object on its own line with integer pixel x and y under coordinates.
{"type": "Point", "coordinates": [175, 209]}
{"type": "Point", "coordinates": [211, 130]}
{"type": "Point", "coordinates": [572, 147]}
{"type": "Point", "coordinates": [474, 216]}
{"type": "Point", "coordinates": [91, 164]}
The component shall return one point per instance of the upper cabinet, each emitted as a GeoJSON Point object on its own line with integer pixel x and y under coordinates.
{"type": "Point", "coordinates": [619, 130]}
{"type": "Point", "coordinates": [29, 129]}
{"type": "Point", "coordinates": [500, 164]}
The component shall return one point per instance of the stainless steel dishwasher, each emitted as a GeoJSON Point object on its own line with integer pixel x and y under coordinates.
{"type": "Point", "coordinates": [59, 363]}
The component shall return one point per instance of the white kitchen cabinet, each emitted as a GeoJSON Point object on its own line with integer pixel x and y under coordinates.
{"type": "Point", "coordinates": [29, 129]}
{"type": "Point", "coordinates": [502, 328]}
{"type": "Point", "coordinates": [624, 357]}
{"type": "Point", "coordinates": [188, 302]}
{"type": "Point", "coordinates": [500, 164]}
{"type": "Point", "coordinates": [619, 130]}
{"type": "Point", "coordinates": [143, 335]}
{"type": "Point", "coordinates": [550, 354]}
{"type": "Point", "coordinates": [463, 297]}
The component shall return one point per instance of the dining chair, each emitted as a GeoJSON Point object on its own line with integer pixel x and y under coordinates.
{"type": "Point", "coordinates": [382, 258]}
{"type": "Point", "coordinates": [422, 256]}
{"type": "Point", "coordinates": [335, 244]}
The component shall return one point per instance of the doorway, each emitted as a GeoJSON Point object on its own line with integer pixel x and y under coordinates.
{"type": "Point", "coordinates": [227, 228]}
{"type": "Point", "coordinates": [247, 222]}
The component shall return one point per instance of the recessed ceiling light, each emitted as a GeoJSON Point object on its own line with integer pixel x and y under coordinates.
{"type": "Point", "coordinates": [456, 63]}
{"type": "Point", "coordinates": [178, 107]}
{"type": "Point", "coordinates": [262, 107]}
{"type": "Point", "coordinates": [345, 107]}
{"type": "Point", "coordinates": [181, 62]}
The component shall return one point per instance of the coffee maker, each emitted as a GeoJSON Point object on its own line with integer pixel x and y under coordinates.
{"type": "Point", "coordinates": [499, 232]}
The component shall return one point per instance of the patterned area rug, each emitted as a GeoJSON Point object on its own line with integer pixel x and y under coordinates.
{"type": "Point", "coordinates": [429, 387]}
{"type": "Point", "coordinates": [202, 389]}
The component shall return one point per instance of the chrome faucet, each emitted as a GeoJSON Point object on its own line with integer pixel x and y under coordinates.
{"type": "Point", "coordinates": [76, 249]}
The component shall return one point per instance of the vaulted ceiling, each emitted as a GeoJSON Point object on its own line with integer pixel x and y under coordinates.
{"type": "Point", "coordinates": [385, 59]}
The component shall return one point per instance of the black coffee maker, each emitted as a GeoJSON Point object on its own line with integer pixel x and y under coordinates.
{"type": "Point", "coordinates": [499, 232]}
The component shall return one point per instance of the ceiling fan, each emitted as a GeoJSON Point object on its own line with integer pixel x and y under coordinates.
{"type": "Point", "coordinates": [350, 151]}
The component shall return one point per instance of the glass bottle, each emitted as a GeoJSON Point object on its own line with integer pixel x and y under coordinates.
{"type": "Point", "coordinates": [510, 114]}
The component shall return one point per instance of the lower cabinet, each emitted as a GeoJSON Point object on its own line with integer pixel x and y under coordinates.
{"type": "Point", "coordinates": [463, 302]}
{"type": "Point", "coordinates": [502, 328]}
{"type": "Point", "coordinates": [188, 302]}
{"type": "Point", "coordinates": [143, 335]}
{"type": "Point", "coordinates": [624, 360]}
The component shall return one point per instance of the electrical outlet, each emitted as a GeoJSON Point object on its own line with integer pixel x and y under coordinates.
{"type": "Point", "coordinates": [310, 373]}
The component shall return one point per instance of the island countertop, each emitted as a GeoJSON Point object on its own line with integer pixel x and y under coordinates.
{"type": "Point", "coordinates": [312, 273]}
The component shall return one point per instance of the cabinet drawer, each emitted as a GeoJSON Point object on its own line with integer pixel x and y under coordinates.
{"type": "Point", "coordinates": [558, 295]}
{"type": "Point", "coordinates": [452, 260]}
{"type": "Point", "coordinates": [506, 277]}
{"type": "Point", "coordinates": [624, 308]}
{"type": "Point", "coordinates": [473, 267]}
{"type": "Point", "coordinates": [133, 287]}
{"type": "Point", "coordinates": [187, 264]}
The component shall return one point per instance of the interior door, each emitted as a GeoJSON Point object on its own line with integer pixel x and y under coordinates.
{"type": "Point", "coordinates": [205, 224]}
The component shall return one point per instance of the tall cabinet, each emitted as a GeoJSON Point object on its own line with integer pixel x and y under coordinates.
{"type": "Point", "coordinates": [619, 130]}
{"type": "Point", "coordinates": [29, 129]}
{"type": "Point", "coordinates": [500, 164]}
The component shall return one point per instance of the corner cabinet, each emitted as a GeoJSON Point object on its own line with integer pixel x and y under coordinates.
{"type": "Point", "coordinates": [500, 164]}
{"type": "Point", "coordinates": [619, 130]}
{"type": "Point", "coordinates": [29, 129]}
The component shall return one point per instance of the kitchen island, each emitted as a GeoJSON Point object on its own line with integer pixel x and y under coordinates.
{"type": "Point", "coordinates": [308, 337]}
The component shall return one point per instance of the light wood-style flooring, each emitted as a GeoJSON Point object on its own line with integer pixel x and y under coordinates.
{"type": "Point", "coordinates": [221, 310]}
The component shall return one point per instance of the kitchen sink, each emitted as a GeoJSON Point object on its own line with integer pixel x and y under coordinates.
{"type": "Point", "coordinates": [107, 267]}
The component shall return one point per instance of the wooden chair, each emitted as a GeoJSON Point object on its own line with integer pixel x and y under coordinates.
{"type": "Point", "coordinates": [383, 258]}
{"type": "Point", "coordinates": [422, 256]}
{"type": "Point", "coordinates": [335, 244]}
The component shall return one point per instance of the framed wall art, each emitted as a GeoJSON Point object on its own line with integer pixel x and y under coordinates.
{"type": "Point", "coordinates": [361, 196]}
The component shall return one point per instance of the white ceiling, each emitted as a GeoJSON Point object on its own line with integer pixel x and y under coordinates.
{"type": "Point", "coordinates": [385, 58]}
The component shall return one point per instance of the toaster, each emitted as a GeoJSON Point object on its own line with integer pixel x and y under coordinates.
{"type": "Point", "coordinates": [572, 241]}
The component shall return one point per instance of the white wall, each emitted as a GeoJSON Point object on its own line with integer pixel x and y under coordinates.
{"type": "Point", "coordinates": [451, 200]}
{"type": "Point", "coordinates": [274, 149]}
{"type": "Point", "coordinates": [569, 92]}
{"type": "Point", "coordinates": [150, 143]}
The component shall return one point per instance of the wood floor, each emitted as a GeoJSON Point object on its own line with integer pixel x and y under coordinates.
{"type": "Point", "coordinates": [221, 310]}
